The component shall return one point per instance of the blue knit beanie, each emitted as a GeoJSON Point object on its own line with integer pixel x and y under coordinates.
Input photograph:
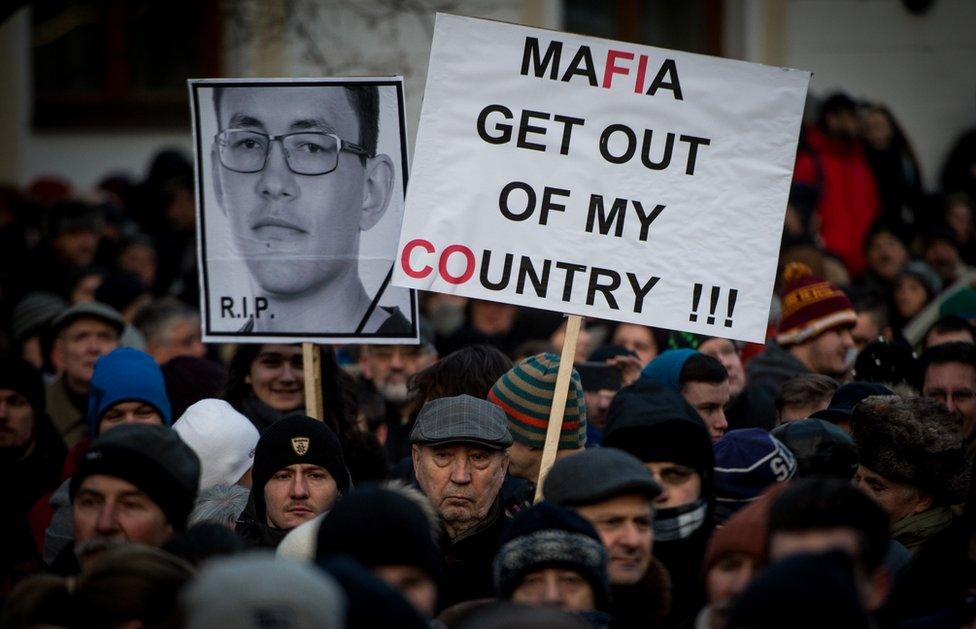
{"type": "Point", "coordinates": [126, 375]}
{"type": "Point", "coordinates": [665, 370]}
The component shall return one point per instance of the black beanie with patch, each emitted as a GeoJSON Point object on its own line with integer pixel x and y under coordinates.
{"type": "Point", "coordinates": [296, 439]}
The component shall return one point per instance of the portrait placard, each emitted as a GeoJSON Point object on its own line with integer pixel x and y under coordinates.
{"type": "Point", "coordinates": [600, 178]}
{"type": "Point", "coordinates": [300, 188]}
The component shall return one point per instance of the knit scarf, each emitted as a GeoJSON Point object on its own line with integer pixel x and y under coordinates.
{"type": "Point", "coordinates": [914, 530]}
{"type": "Point", "coordinates": [679, 522]}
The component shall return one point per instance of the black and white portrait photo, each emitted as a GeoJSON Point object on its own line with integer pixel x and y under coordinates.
{"type": "Point", "coordinates": [300, 192]}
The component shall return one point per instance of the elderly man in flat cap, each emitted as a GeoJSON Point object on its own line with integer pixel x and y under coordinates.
{"type": "Point", "coordinates": [460, 457]}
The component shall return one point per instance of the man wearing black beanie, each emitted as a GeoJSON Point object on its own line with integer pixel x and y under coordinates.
{"type": "Point", "coordinates": [660, 428]}
{"type": "Point", "coordinates": [136, 483]}
{"type": "Point", "coordinates": [298, 473]}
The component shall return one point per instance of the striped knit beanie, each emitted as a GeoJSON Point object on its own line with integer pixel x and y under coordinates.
{"type": "Point", "coordinates": [811, 306]}
{"type": "Point", "coordinates": [525, 394]}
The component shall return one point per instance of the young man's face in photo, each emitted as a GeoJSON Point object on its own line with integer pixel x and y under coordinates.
{"type": "Point", "coordinates": [296, 232]}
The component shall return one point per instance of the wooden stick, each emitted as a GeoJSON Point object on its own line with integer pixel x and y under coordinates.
{"type": "Point", "coordinates": [312, 368]}
{"type": "Point", "coordinates": [558, 408]}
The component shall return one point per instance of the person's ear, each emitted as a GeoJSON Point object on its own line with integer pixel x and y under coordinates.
{"type": "Point", "coordinates": [924, 502]}
{"type": "Point", "coordinates": [415, 456]}
{"type": "Point", "coordinates": [247, 379]}
{"type": "Point", "coordinates": [377, 190]}
{"type": "Point", "coordinates": [215, 177]}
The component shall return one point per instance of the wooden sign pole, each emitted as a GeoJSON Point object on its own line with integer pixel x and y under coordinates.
{"type": "Point", "coordinates": [312, 368]}
{"type": "Point", "coordinates": [558, 408]}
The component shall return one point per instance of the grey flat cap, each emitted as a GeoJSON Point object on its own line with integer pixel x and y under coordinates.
{"type": "Point", "coordinates": [89, 310]}
{"type": "Point", "coordinates": [595, 475]}
{"type": "Point", "coordinates": [461, 419]}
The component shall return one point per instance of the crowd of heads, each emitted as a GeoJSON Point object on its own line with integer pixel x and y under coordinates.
{"type": "Point", "coordinates": [824, 477]}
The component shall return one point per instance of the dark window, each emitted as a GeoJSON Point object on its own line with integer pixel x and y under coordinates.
{"type": "Point", "coordinates": [120, 63]}
{"type": "Point", "coordinates": [689, 25]}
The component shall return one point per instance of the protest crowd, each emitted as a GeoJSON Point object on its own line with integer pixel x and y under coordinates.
{"type": "Point", "coordinates": [823, 479]}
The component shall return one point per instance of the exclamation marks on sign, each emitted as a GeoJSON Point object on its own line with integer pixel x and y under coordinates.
{"type": "Point", "coordinates": [714, 296]}
{"type": "Point", "coordinates": [695, 299]}
{"type": "Point", "coordinates": [711, 310]}
{"type": "Point", "coordinates": [733, 293]}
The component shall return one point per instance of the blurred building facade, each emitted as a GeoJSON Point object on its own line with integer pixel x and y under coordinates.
{"type": "Point", "coordinates": [97, 87]}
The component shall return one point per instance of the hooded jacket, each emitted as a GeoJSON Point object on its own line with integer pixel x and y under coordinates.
{"type": "Point", "coordinates": [657, 424]}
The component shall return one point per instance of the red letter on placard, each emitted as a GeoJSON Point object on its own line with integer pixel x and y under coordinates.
{"type": "Point", "coordinates": [405, 258]}
{"type": "Point", "coordinates": [612, 68]}
{"type": "Point", "coordinates": [469, 267]}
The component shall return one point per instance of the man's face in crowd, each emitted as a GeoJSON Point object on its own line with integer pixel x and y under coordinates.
{"type": "Point", "coordinates": [80, 344]}
{"type": "Point", "coordinates": [826, 353]}
{"type": "Point", "coordinates": [182, 338]}
{"type": "Point", "coordinates": [725, 581]}
{"type": "Point", "coordinates": [954, 384]}
{"type": "Point", "coordinates": [563, 589]}
{"type": "Point", "coordinates": [886, 255]}
{"type": "Point", "coordinates": [680, 485]}
{"type": "Point", "coordinates": [389, 367]}
{"type": "Point", "coordinates": [724, 351]}
{"type": "Point", "coordinates": [709, 399]}
{"type": "Point", "coordinates": [597, 405]}
{"type": "Point", "coordinates": [944, 258]}
{"type": "Point", "coordinates": [897, 499]}
{"type": "Point", "coordinates": [108, 511]}
{"type": "Point", "coordinates": [139, 259]}
{"type": "Point", "coordinates": [910, 296]}
{"type": "Point", "coordinates": [296, 233]}
{"type": "Point", "coordinates": [461, 481]}
{"type": "Point", "coordinates": [277, 377]}
{"type": "Point", "coordinates": [638, 339]}
{"type": "Point", "coordinates": [492, 317]}
{"type": "Point", "coordinates": [413, 584]}
{"type": "Point", "coordinates": [134, 412]}
{"type": "Point", "coordinates": [958, 336]}
{"type": "Point", "coordinates": [624, 524]}
{"type": "Point", "coordinates": [77, 247]}
{"type": "Point", "coordinates": [298, 493]}
{"type": "Point", "coordinates": [16, 419]}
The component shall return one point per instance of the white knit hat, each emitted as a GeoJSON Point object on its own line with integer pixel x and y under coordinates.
{"type": "Point", "coordinates": [222, 438]}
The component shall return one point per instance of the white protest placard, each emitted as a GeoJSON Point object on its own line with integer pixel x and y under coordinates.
{"type": "Point", "coordinates": [300, 188]}
{"type": "Point", "coordinates": [600, 178]}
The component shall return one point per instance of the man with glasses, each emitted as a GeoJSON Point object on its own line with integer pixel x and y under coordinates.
{"type": "Point", "coordinates": [949, 376]}
{"type": "Point", "coordinates": [297, 174]}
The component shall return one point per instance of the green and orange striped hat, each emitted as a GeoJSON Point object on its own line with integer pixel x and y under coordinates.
{"type": "Point", "coordinates": [525, 394]}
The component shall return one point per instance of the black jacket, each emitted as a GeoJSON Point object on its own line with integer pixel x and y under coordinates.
{"type": "Point", "coordinates": [254, 530]}
{"type": "Point", "coordinates": [656, 424]}
{"type": "Point", "coordinates": [468, 560]}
